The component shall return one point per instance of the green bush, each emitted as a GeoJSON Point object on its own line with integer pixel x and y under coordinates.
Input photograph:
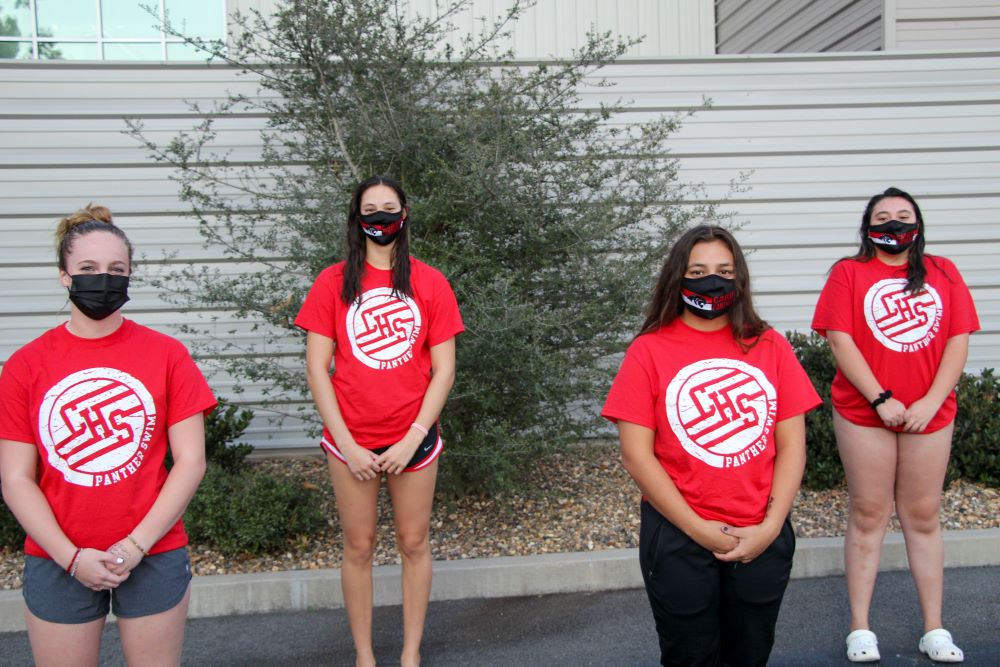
{"type": "Point", "coordinates": [823, 467]}
{"type": "Point", "coordinates": [11, 533]}
{"type": "Point", "coordinates": [224, 425]}
{"type": "Point", "coordinates": [251, 512]}
{"type": "Point", "coordinates": [975, 453]}
{"type": "Point", "coordinates": [227, 423]}
{"type": "Point", "coordinates": [549, 213]}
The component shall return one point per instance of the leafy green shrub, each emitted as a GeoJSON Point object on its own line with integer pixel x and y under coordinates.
{"type": "Point", "coordinates": [224, 425]}
{"type": "Point", "coordinates": [548, 219]}
{"type": "Point", "coordinates": [251, 512]}
{"type": "Point", "coordinates": [975, 453]}
{"type": "Point", "coordinates": [11, 533]}
{"type": "Point", "coordinates": [823, 467]}
{"type": "Point", "coordinates": [227, 423]}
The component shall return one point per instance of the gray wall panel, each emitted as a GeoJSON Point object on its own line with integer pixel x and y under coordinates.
{"type": "Point", "coordinates": [815, 135]}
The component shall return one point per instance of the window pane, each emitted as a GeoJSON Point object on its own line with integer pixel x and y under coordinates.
{"type": "Point", "coordinates": [66, 18]}
{"type": "Point", "coordinates": [15, 51]}
{"type": "Point", "coordinates": [127, 18]}
{"type": "Point", "coordinates": [67, 51]}
{"type": "Point", "coordinates": [196, 18]}
{"type": "Point", "coordinates": [132, 51]}
{"type": "Point", "coordinates": [15, 18]}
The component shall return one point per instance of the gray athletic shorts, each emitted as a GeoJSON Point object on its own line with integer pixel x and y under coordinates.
{"type": "Point", "coordinates": [157, 584]}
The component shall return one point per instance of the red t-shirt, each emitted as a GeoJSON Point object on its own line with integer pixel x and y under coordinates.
{"type": "Point", "coordinates": [902, 336]}
{"type": "Point", "coordinates": [713, 408]}
{"type": "Point", "coordinates": [98, 410]}
{"type": "Point", "coordinates": [382, 346]}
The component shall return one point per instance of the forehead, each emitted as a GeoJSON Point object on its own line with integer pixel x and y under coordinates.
{"type": "Point", "coordinates": [379, 194]}
{"type": "Point", "coordinates": [98, 246]}
{"type": "Point", "coordinates": [892, 205]}
{"type": "Point", "coordinates": [710, 252]}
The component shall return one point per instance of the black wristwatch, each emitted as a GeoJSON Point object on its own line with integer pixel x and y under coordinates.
{"type": "Point", "coordinates": [882, 398]}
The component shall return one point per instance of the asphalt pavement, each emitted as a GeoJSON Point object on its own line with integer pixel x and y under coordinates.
{"type": "Point", "coordinates": [612, 629]}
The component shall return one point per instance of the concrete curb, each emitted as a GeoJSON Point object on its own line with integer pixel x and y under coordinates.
{"type": "Point", "coordinates": [614, 569]}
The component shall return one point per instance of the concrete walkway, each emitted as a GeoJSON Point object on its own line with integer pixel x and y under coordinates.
{"type": "Point", "coordinates": [481, 578]}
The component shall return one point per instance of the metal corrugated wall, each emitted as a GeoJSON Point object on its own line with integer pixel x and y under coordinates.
{"type": "Point", "coordinates": [816, 134]}
{"type": "Point", "coordinates": [797, 26]}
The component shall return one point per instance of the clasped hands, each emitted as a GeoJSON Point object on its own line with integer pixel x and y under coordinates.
{"type": "Point", "coordinates": [365, 464]}
{"type": "Point", "coordinates": [104, 570]}
{"type": "Point", "coordinates": [913, 419]}
{"type": "Point", "coordinates": [732, 544]}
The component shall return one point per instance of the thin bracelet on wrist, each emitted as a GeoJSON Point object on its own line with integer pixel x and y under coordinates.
{"type": "Point", "coordinates": [882, 398]}
{"type": "Point", "coordinates": [420, 428]}
{"type": "Point", "coordinates": [75, 565]}
{"type": "Point", "coordinates": [137, 545]}
{"type": "Point", "coordinates": [70, 569]}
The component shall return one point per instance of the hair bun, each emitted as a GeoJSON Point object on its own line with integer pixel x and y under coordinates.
{"type": "Point", "coordinates": [88, 213]}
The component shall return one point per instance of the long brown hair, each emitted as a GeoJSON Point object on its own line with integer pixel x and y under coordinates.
{"type": "Point", "coordinates": [916, 272]}
{"type": "Point", "coordinates": [666, 305]}
{"type": "Point", "coordinates": [354, 267]}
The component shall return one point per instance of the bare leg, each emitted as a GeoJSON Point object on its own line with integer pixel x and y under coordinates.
{"type": "Point", "coordinates": [923, 460]}
{"type": "Point", "coordinates": [869, 457]}
{"type": "Point", "coordinates": [155, 640]}
{"type": "Point", "coordinates": [64, 644]}
{"type": "Point", "coordinates": [412, 497]}
{"type": "Point", "coordinates": [357, 507]}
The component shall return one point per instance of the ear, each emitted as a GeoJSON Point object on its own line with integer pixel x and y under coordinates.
{"type": "Point", "coordinates": [64, 279]}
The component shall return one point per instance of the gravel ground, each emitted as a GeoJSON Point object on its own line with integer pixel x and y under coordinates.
{"type": "Point", "coordinates": [579, 502]}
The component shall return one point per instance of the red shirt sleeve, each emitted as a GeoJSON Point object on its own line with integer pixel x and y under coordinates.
{"type": "Point", "coordinates": [446, 320]}
{"type": "Point", "coordinates": [963, 318]}
{"type": "Point", "coordinates": [633, 393]}
{"type": "Point", "coordinates": [834, 308]}
{"type": "Point", "coordinates": [15, 420]}
{"type": "Point", "coordinates": [317, 313]}
{"type": "Point", "coordinates": [796, 394]}
{"type": "Point", "coordinates": [188, 391]}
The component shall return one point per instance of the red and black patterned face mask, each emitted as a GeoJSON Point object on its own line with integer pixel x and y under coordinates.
{"type": "Point", "coordinates": [708, 297]}
{"type": "Point", "coordinates": [383, 227]}
{"type": "Point", "coordinates": [894, 236]}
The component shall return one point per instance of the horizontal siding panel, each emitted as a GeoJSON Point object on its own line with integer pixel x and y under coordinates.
{"type": "Point", "coordinates": [815, 136]}
{"type": "Point", "coordinates": [953, 9]}
{"type": "Point", "coordinates": [554, 28]}
{"type": "Point", "coordinates": [924, 35]}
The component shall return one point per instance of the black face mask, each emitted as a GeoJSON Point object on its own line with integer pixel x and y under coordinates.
{"type": "Point", "coordinates": [708, 297]}
{"type": "Point", "coordinates": [98, 295]}
{"type": "Point", "coordinates": [382, 227]}
{"type": "Point", "coordinates": [894, 236]}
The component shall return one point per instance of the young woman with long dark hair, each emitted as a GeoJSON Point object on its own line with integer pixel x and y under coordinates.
{"type": "Point", "coordinates": [87, 413]}
{"type": "Point", "coordinates": [388, 323]}
{"type": "Point", "coordinates": [898, 321]}
{"type": "Point", "coordinates": [710, 404]}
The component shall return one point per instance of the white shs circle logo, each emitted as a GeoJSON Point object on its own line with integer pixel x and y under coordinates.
{"type": "Point", "coordinates": [899, 320]}
{"type": "Point", "coordinates": [382, 328]}
{"type": "Point", "coordinates": [96, 426]}
{"type": "Point", "coordinates": [722, 411]}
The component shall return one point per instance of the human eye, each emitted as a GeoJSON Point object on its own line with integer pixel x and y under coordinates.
{"type": "Point", "coordinates": [726, 272]}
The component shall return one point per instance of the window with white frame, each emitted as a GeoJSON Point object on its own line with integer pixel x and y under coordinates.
{"type": "Point", "coordinates": [107, 29]}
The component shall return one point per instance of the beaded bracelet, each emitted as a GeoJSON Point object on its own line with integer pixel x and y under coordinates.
{"type": "Point", "coordinates": [132, 540]}
{"type": "Point", "coordinates": [420, 428]}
